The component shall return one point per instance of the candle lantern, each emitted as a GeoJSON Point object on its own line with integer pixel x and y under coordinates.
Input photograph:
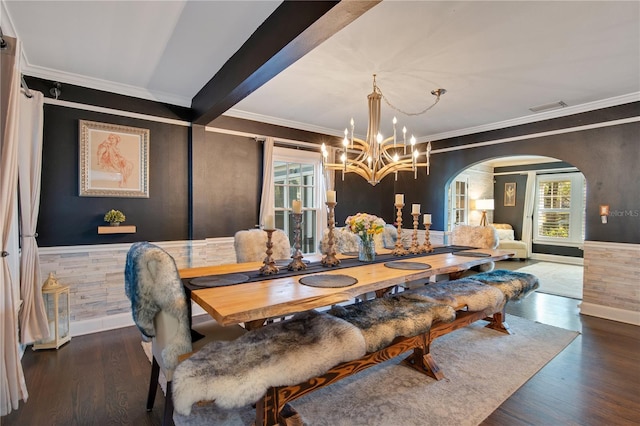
{"type": "Point", "coordinates": [56, 301]}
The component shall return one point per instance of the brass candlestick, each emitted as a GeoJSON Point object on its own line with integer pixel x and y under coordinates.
{"type": "Point", "coordinates": [297, 264]}
{"type": "Point", "coordinates": [399, 249]}
{"type": "Point", "coordinates": [415, 248]}
{"type": "Point", "coordinates": [330, 258]}
{"type": "Point", "coordinates": [269, 267]}
{"type": "Point", "coordinates": [426, 247]}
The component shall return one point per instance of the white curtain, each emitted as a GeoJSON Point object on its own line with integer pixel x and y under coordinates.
{"type": "Point", "coordinates": [527, 220]}
{"type": "Point", "coordinates": [12, 385]}
{"type": "Point", "coordinates": [267, 199]}
{"type": "Point", "coordinates": [33, 316]}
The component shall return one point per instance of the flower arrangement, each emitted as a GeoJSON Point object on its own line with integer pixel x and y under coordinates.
{"type": "Point", "coordinates": [114, 216]}
{"type": "Point", "coordinates": [365, 225]}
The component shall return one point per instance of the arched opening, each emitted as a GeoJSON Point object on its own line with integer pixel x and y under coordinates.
{"type": "Point", "coordinates": [538, 206]}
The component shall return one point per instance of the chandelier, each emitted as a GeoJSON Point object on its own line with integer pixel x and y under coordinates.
{"type": "Point", "coordinates": [376, 157]}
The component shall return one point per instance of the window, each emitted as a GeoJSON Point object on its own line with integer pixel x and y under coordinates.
{"type": "Point", "coordinates": [458, 203]}
{"type": "Point", "coordinates": [560, 209]}
{"type": "Point", "coordinates": [297, 176]}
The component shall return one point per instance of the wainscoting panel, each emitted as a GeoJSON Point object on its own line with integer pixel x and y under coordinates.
{"type": "Point", "coordinates": [611, 276]}
{"type": "Point", "coordinates": [95, 275]}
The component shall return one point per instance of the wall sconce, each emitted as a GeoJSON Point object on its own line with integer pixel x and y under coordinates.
{"type": "Point", "coordinates": [484, 205]}
{"type": "Point", "coordinates": [604, 213]}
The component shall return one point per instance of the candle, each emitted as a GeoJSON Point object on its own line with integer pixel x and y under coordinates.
{"type": "Point", "coordinates": [415, 208]}
{"type": "Point", "coordinates": [331, 196]}
{"type": "Point", "coordinates": [427, 219]}
{"type": "Point", "coordinates": [296, 205]}
{"type": "Point", "coordinates": [399, 198]}
{"type": "Point", "coordinates": [269, 222]}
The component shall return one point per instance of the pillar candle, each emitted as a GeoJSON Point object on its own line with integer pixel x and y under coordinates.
{"type": "Point", "coordinates": [269, 222]}
{"type": "Point", "coordinates": [427, 219]}
{"type": "Point", "coordinates": [399, 198]}
{"type": "Point", "coordinates": [296, 205]}
{"type": "Point", "coordinates": [415, 208]}
{"type": "Point", "coordinates": [331, 196]}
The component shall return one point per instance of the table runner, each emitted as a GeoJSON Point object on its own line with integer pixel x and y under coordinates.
{"type": "Point", "coordinates": [315, 267]}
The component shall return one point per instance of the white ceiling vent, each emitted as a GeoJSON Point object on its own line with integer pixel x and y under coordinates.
{"type": "Point", "coordinates": [548, 107]}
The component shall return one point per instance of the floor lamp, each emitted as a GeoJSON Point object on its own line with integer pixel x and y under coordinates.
{"type": "Point", "coordinates": [484, 205]}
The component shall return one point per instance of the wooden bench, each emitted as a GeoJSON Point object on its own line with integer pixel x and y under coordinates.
{"type": "Point", "coordinates": [288, 359]}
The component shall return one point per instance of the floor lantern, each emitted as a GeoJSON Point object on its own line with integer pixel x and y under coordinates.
{"type": "Point", "coordinates": [56, 301]}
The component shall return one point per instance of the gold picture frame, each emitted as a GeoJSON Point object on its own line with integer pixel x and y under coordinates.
{"type": "Point", "coordinates": [510, 194]}
{"type": "Point", "coordinates": [114, 160]}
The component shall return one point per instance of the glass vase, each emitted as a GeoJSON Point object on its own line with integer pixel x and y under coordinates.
{"type": "Point", "coordinates": [366, 250]}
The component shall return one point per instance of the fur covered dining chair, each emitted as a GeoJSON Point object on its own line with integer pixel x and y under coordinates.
{"type": "Point", "coordinates": [160, 311]}
{"type": "Point", "coordinates": [478, 237]}
{"type": "Point", "coordinates": [251, 245]}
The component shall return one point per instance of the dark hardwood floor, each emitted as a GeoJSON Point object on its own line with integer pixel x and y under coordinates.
{"type": "Point", "coordinates": [102, 379]}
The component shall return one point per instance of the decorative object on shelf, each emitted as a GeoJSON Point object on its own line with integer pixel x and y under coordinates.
{"type": "Point", "coordinates": [114, 160]}
{"type": "Point", "coordinates": [297, 264]}
{"type": "Point", "coordinates": [114, 217]}
{"type": "Point", "coordinates": [365, 226]}
{"type": "Point", "coordinates": [269, 267]}
{"type": "Point", "coordinates": [56, 302]}
{"type": "Point", "coordinates": [399, 249]}
{"type": "Point", "coordinates": [376, 157]}
{"type": "Point", "coordinates": [426, 246]}
{"type": "Point", "coordinates": [484, 205]}
{"type": "Point", "coordinates": [330, 258]}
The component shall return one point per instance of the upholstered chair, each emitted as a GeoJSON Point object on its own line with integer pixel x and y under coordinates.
{"type": "Point", "coordinates": [478, 237]}
{"type": "Point", "coordinates": [251, 245]}
{"type": "Point", "coordinates": [160, 310]}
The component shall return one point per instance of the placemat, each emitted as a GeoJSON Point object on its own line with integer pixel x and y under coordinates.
{"type": "Point", "coordinates": [219, 280]}
{"type": "Point", "coordinates": [328, 281]}
{"type": "Point", "coordinates": [407, 265]}
{"type": "Point", "coordinates": [471, 254]}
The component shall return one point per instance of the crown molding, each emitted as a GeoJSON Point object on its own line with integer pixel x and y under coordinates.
{"type": "Point", "coordinates": [104, 85]}
{"type": "Point", "coordinates": [563, 112]}
{"type": "Point", "coordinates": [236, 113]}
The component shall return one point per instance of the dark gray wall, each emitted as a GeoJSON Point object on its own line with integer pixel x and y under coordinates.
{"type": "Point", "coordinates": [607, 156]}
{"type": "Point", "coordinates": [68, 219]}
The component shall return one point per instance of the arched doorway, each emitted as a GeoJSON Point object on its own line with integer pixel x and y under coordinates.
{"type": "Point", "coordinates": [546, 192]}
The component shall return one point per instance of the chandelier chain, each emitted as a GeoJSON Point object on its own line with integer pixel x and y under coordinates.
{"type": "Point", "coordinates": [410, 113]}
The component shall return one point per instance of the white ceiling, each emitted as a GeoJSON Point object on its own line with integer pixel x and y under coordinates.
{"type": "Point", "coordinates": [496, 59]}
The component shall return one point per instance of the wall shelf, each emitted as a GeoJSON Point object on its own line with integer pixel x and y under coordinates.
{"type": "Point", "coordinates": [127, 229]}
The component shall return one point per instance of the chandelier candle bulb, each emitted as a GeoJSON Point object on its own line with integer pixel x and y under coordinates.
{"type": "Point", "coordinates": [296, 205]}
{"type": "Point", "coordinates": [426, 219]}
{"type": "Point", "coordinates": [331, 196]}
{"type": "Point", "coordinates": [399, 198]}
{"type": "Point", "coordinates": [415, 208]}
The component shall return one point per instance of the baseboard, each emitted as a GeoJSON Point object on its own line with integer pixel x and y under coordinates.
{"type": "Point", "coordinates": [557, 259]}
{"type": "Point", "coordinates": [607, 312]}
{"type": "Point", "coordinates": [96, 325]}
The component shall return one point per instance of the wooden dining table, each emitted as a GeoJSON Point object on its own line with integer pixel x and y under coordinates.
{"type": "Point", "coordinates": [254, 302]}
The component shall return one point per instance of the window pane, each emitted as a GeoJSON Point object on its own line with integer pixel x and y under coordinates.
{"type": "Point", "coordinates": [279, 173]}
{"type": "Point", "coordinates": [295, 193]}
{"type": "Point", "coordinates": [295, 177]}
{"type": "Point", "coordinates": [309, 231]}
{"type": "Point", "coordinates": [280, 219]}
{"type": "Point", "coordinates": [279, 192]}
{"type": "Point", "coordinates": [553, 224]}
{"type": "Point", "coordinates": [307, 174]}
{"type": "Point", "coordinates": [308, 198]}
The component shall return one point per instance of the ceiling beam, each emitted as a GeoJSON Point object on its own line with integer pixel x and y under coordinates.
{"type": "Point", "coordinates": [291, 31]}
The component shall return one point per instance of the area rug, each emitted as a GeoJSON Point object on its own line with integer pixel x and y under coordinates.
{"type": "Point", "coordinates": [482, 367]}
{"type": "Point", "coordinates": [559, 279]}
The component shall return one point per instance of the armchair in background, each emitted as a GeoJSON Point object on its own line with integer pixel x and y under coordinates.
{"type": "Point", "coordinates": [251, 245]}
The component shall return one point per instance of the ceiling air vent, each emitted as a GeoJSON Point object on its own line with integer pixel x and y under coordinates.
{"type": "Point", "coordinates": [548, 107]}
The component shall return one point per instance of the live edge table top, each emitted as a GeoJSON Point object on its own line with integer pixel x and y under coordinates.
{"type": "Point", "coordinates": [253, 301]}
